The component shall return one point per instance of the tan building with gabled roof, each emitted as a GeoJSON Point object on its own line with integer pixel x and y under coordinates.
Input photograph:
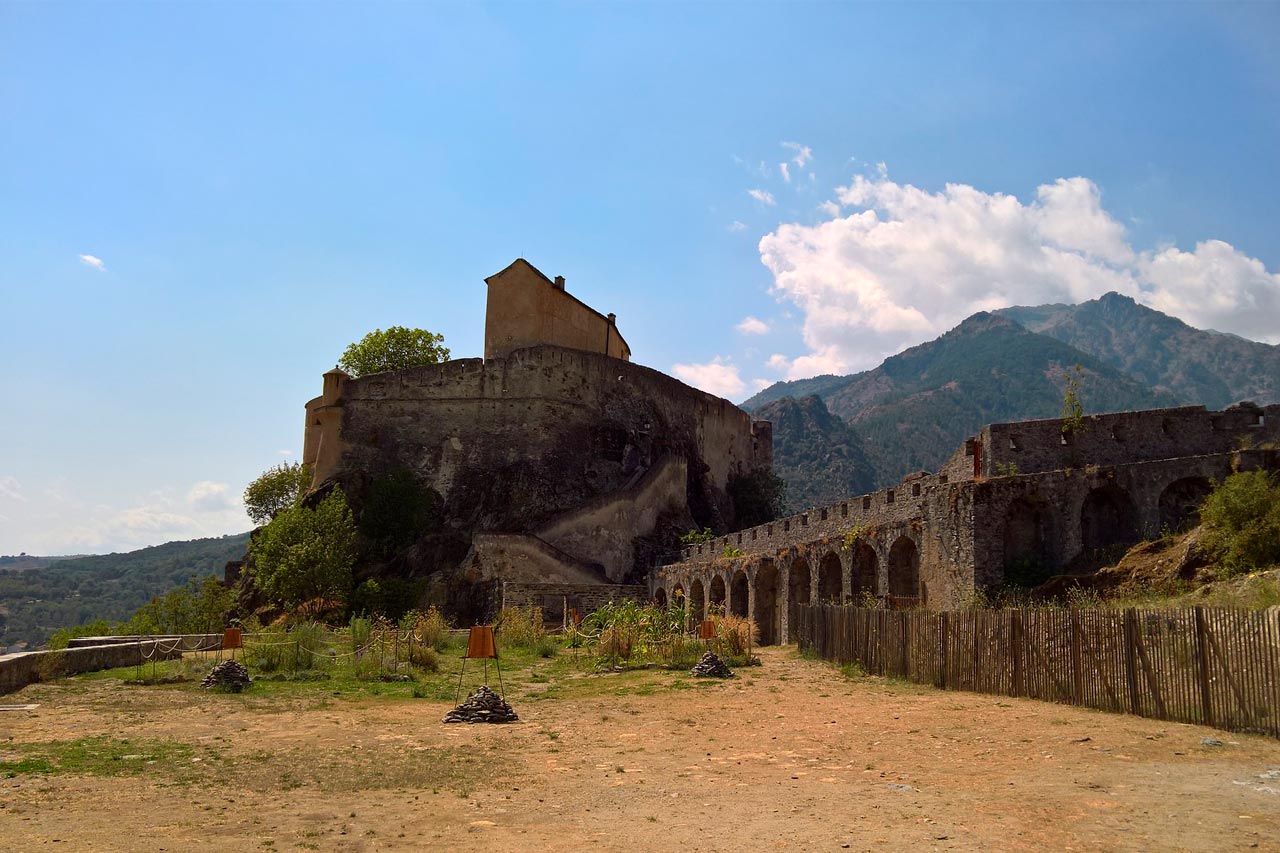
{"type": "Point", "coordinates": [525, 309]}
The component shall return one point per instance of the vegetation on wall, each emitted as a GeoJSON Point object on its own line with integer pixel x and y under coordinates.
{"type": "Point", "coordinates": [396, 348]}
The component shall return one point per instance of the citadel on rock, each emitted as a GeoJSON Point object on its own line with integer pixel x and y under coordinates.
{"type": "Point", "coordinates": [562, 473]}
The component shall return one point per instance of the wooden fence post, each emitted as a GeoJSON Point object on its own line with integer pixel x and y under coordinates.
{"type": "Point", "coordinates": [1131, 660]}
{"type": "Point", "coordinates": [1015, 640]}
{"type": "Point", "coordinates": [1202, 654]}
{"type": "Point", "coordinates": [1077, 677]}
{"type": "Point", "coordinates": [943, 626]}
{"type": "Point", "coordinates": [904, 621]}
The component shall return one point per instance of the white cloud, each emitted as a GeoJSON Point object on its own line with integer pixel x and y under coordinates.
{"type": "Point", "coordinates": [760, 384]}
{"type": "Point", "coordinates": [830, 208]}
{"type": "Point", "coordinates": [717, 377]}
{"type": "Point", "coordinates": [753, 326]}
{"type": "Point", "coordinates": [210, 497]}
{"type": "Point", "coordinates": [285, 452]}
{"type": "Point", "coordinates": [762, 196]}
{"type": "Point", "coordinates": [91, 261]}
{"type": "Point", "coordinates": [10, 488]}
{"type": "Point", "coordinates": [785, 172]}
{"type": "Point", "coordinates": [735, 225]}
{"type": "Point", "coordinates": [905, 265]}
{"type": "Point", "coordinates": [803, 153]}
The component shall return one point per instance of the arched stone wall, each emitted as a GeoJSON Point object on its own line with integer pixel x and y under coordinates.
{"type": "Point", "coordinates": [739, 594]}
{"type": "Point", "coordinates": [717, 592]}
{"type": "Point", "coordinates": [904, 568]}
{"type": "Point", "coordinates": [830, 578]}
{"type": "Point", "coordinates": [864, 574]}
{"type": "Point", "coordinates": [767, 604]}
{"type": "Point", "coordinates": [799, 591]}
{"type": "Point", "coordinates": [1108, 519]}
{"type": "Point", "coordinates": [697, 600]}
{"type": "Point", "coordinates": [1179, 503]}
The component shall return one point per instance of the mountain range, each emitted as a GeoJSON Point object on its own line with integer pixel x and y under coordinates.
{"type": "Point", "coordinates": [912, 411]}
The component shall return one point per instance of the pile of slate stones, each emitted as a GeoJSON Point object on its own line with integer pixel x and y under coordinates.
{"type": "Point", "coordinates": [482, 706]}
{"type": "Point", "coordinates": [230, 674]}
{"type": "Point", "coordinates": [711, 667]}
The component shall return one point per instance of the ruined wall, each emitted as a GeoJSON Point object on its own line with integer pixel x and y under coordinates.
{"type": "Point", "coordinates": [1125, 437]}
{"type": "Point", "coordinates": [525, 309]}
{"type": "Point", "coordinates": [557, 599]}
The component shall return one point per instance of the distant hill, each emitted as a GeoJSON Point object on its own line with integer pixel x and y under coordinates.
{"type": "Point", "coordinates": [819, 455]}
{"type": "Point", "coordinates": [26, 562]}
{"type": "Point", "coordinates": [913, 410]}
{"type": "Point", "coordinates": [36, 602]}
{"type": "Point", "coordinates": [1160, 351]}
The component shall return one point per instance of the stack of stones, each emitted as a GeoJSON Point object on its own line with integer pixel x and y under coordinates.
{"type": "Point", "coordinates": [483, 706]}
{"type": "Point", "coordinates": [711, 667]}
{"type": "Point", "coordinates": [230, 674]}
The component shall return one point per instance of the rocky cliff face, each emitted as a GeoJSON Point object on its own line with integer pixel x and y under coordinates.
{"type": "Point", "coordinates": [820, 456]}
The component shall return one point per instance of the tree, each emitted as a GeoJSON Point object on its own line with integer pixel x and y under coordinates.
{"type": "Point", "coordinates": [275, 490]}
{"type": "Point", "coordinates": [758, 497]}
{"type": "Point", "coordinates": [306, 553]}
{"type": "Point", "coordinates": [1242, 521]}
{"type": "Point", "coordinates": [394, 349]}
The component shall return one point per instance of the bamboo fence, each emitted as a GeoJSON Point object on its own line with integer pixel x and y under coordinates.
{"type": "Point", "coordinates": [1215, 666]}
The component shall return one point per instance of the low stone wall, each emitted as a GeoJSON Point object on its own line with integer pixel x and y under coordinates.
{"type": "Point", "coordinates": [19, 670]}
{"type": "Point", "coordinates": [187, 642]}
{"type": "Point", "coordinates": [556, 598]}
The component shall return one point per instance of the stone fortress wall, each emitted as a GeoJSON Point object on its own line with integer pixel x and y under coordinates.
{"type": "Point", "coordinates": [1020, 491]}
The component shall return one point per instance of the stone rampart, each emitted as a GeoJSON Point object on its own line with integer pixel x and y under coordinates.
{"type": "Point", "coordinates": [19, 670]}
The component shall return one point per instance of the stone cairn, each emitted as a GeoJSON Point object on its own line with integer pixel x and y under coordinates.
{"type": "Point", "coordinates": [482, 706]}
{"type": "Point", "coordinates": [229, 673]}
{"type": "Point", "coordinates": [711, 667]}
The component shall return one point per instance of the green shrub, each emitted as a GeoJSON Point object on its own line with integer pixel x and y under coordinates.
{"type": "Point", "coordinates": [304, 553]}
{"type": "Point", "coordinates": [520, 626]}
{"type": "Point", "coordinates": [1242, 521]}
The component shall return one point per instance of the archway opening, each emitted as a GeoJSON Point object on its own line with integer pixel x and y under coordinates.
{"type": "Point", "coordinates": [1108, 522]}
{"type": "Point", "coordinates": [1026, 557]}
{"type": "Point", "coordinates": [904, 571]}
{"type": "Point", "coordinates": [767, 600]}
{"type": "Point", "coordinates": [830, 582]}
{"type": "Point", "coordinates": [866, 571]}
{"type": "Point", "coordinates": [1180, 503]}
{"type": "Point", "coordinates": [697, 601]}
{"type": "Point", "coordinates": [717, 592]}
{"type": "Point", "coordinates": [738, 594]}
{"type": "Point", "coordinates": [798, 590]}
{"type": "Point", "coordinates": [660, 598]}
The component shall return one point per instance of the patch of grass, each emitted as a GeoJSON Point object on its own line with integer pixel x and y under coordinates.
{"type": "Point", "coordinates": [100, 755]}
{"type": "Point", "coordinates": [853, 671]}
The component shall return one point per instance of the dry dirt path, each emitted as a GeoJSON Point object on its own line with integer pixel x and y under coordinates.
{"type": "Point", "coordinates": [790, 755]}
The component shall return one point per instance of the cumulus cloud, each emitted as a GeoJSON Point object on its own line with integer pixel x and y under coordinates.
{"type": "Point", "coordinates": [10, 488]}
{"type": "Point", "coordinates": [210, 496]}
{"type": "Point", "coordinates": [803, 153]}
{"type": "Point", "coordinates": [717, 376]}
{"type": "Point", "coordinates": [753, 326]}
{"type": "Point", "coordinates": [762, 196]}
{"type": "Point", "coordinates": [91, 261]}
{"type": "Point", "coordinates": [895, 265]}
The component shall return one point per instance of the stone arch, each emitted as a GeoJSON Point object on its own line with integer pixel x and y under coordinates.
{"type": "Point", "coordinates": [1108, 518]}
{"type": "Point", "coordinates": [660, 598]}
{"type": "Point", "coordinates": [904, 568]}
{"type": "Point", "coordinates": [716, 592]}
{"type": "Point", "coordinates": [766, 611]}
{"type": "Point", "coordinates": [830, 579]}
{"type": "Point", "coordinates": [697, 600]}
{"type": "Point", "coordinates": [1180, 503]}
{"type": "Point", "coordinates": [865, 575]}
{"type": "Point", "coordinates": [739, 597]}
{"type": "Point", "coordinates": [799, 589]}
{"type": "Point", "coordinates": [1026, 548]}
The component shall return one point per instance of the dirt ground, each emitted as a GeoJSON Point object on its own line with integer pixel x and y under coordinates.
{"type": "Point", "coordinates": [789, 755]}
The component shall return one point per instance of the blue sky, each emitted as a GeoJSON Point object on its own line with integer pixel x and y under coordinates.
{"type": "Point", "coordinates": [201, 205]}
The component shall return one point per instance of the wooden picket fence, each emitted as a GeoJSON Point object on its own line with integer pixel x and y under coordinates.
{"type": "Point", "coordinates": [1216, 666]}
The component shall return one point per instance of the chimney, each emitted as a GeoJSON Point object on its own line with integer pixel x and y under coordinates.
{"type": "Point", "coordinates": [613, 319]}
{"type": "Point", "coordinates": [559, 282]}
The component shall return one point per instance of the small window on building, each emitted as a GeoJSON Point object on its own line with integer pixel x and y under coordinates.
{"type": "Point", "coordinates": [942, 478]}
{"type": "Point", "coordinates": [844, 510]}
{"type": "Point", "coordinates": [769, 530]}
{"type": "Point", "coordinates": [739, 538]}
{"type": "Point", "coordinates": [754, 532]}
{"type": "Point", "coordinates": [888, 496]}
{"type": "Point", "coordinates": [786, 526]}
{"type": "Point", "coordinates": [1013, 443]}
{"type": "Point", "coordinates": [804, 520]}
{"type": "Point", "coordinates": [915, 490]}
{"type": "Point", "coordinates": [968, 447]}
{"type": "Point", "coordinates": [1215, 423]}
{"type": "Point", "coordinates": [866, 503]}
{"type": "Point", "coordinates": [824, 515]}
{"type": "Point", "coordinates": [1257, 419]}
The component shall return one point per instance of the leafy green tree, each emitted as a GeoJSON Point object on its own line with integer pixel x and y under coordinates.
{"type": "Point", "coordinates": [1242, 520]}
{"type": "Point", "coordinates": [758, 497]}
{"type": "Point", "coordinates": [197, 608]}
{"type": "Point", "coordinates": [306, 553]}
{"type": "Point", "coordinates": [275, 490]}
{"type": "Point", "coordinates": [394, 349]}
